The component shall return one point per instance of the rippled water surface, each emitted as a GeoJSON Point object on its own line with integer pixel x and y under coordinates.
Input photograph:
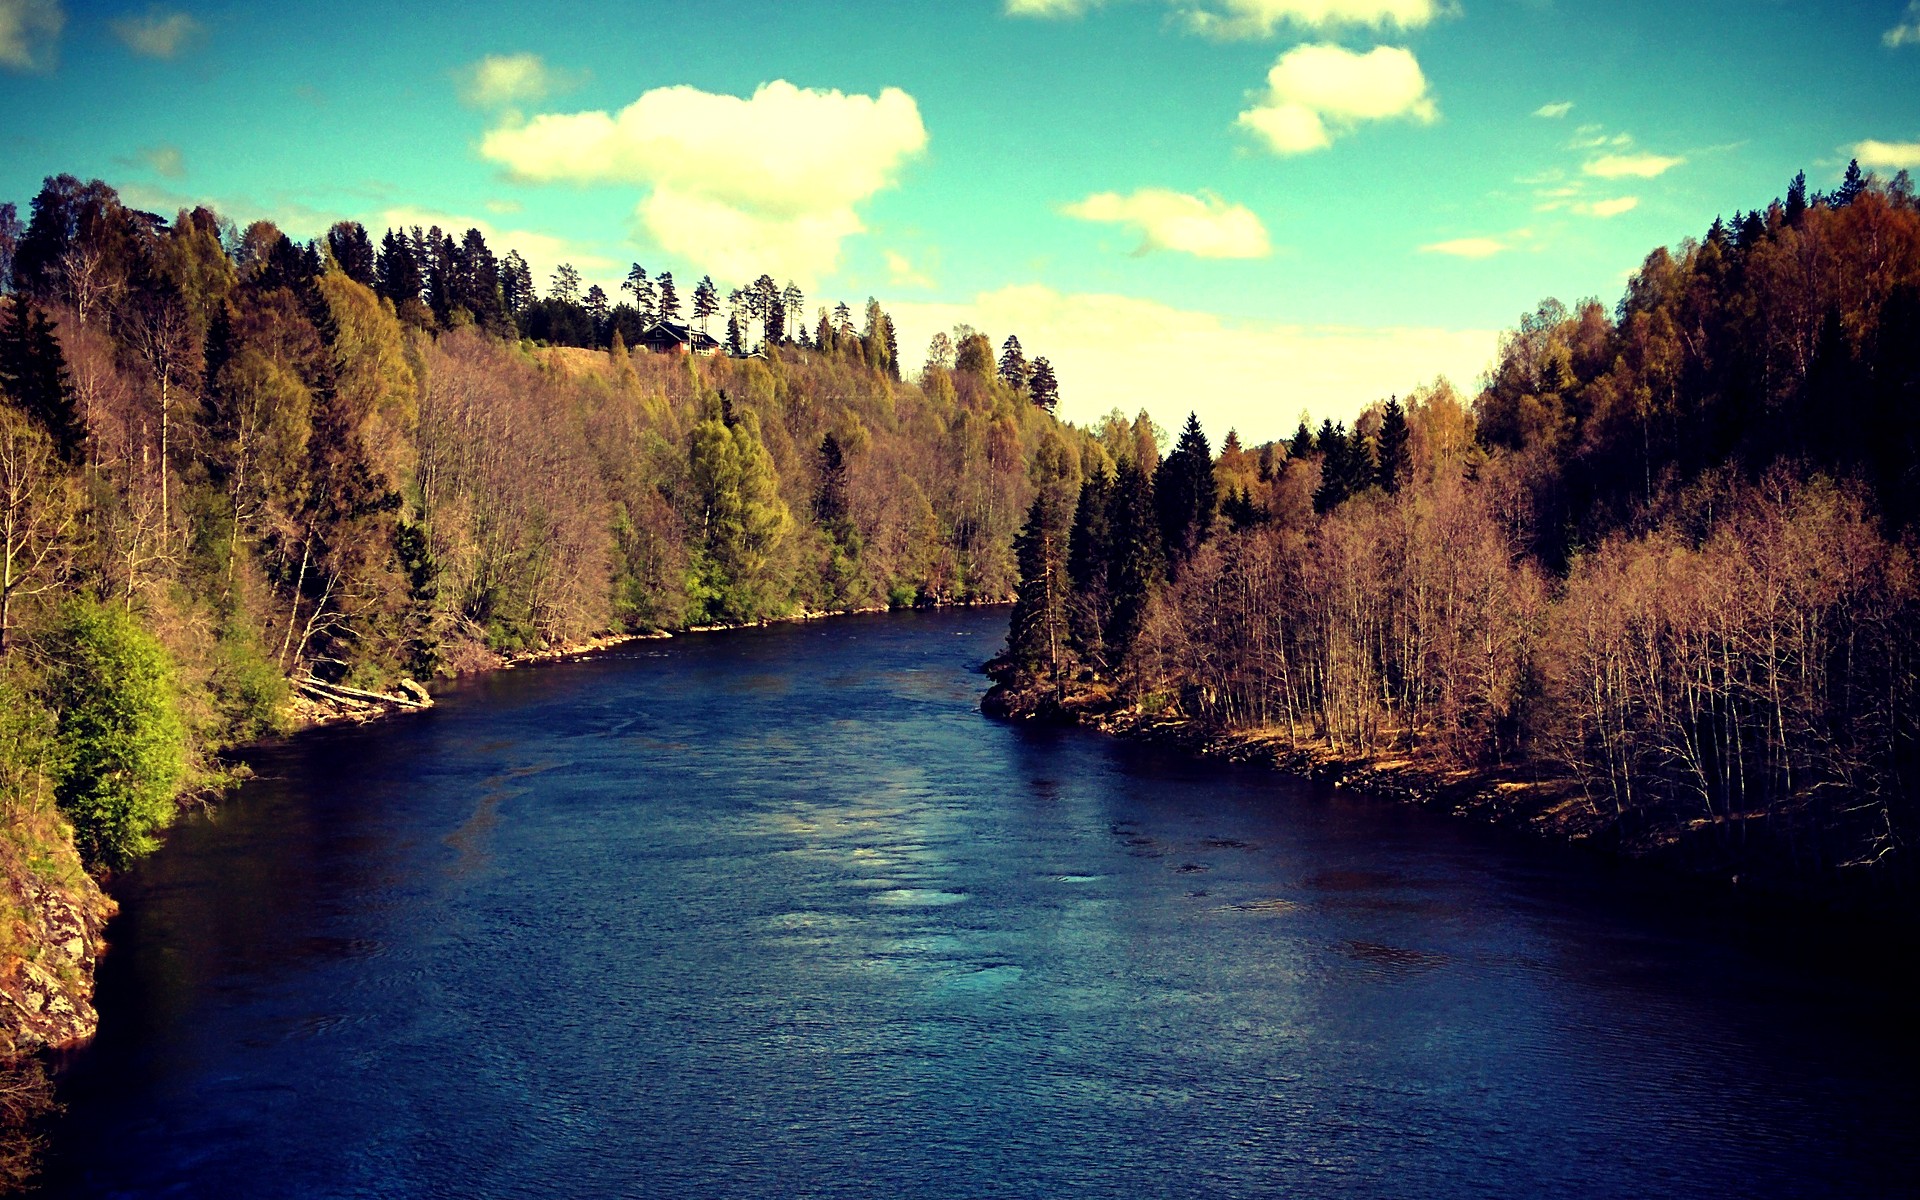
{"type": "Point", "coordinates": [778, 913]}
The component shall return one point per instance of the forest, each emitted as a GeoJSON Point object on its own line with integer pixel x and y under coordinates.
{"type": "Point", "coordinates": [1662, 564]}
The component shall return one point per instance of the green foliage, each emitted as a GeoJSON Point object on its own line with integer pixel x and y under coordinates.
{"type": "Point", "coordinates": [740, 519]}
{"type": "Point", "coordinates": [120, 743]}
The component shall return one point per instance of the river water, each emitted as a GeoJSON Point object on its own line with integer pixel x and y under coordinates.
{"type": "Point", "coordinates": [779, 913]}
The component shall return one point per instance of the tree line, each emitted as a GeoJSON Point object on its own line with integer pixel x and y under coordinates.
{"type": "Point", "coordinates": [231, 461]}
{"type": "Point", "coordinates": [1664, 560]}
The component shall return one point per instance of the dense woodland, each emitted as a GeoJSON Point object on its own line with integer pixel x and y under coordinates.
{"type": "Point", "coordinates": [1664, 560]}
{"type": "Point", "coordinates": [231, 463]}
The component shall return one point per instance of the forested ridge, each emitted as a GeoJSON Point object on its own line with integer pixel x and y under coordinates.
{"type": "Point", "coordinates": [1659, 571]}
{"type": "Point", "coordinates": [232, 464]}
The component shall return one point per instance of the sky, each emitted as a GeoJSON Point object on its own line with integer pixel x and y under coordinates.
{"type": "Point", "coordinates": [1248, 209]}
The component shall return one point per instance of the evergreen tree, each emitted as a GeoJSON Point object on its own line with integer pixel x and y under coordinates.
{"type": "Point", "coordinates": [1042, 387]}
{"type": "Point", "coordinates": [516, 285]}
{"type": "Point", "coordinates": [830, 499]}
{"type": "Point", "coordinates": [795, 302]}
{"type": "Point", "coordinates": [1797, 198]}
{"type": "Point", "coordinates": [353, 251]}
{"type": "Point", "coordinates": [1185, 495]}
{"type": "Point", "coordinates": [1851, 186]}
{"type": "Point", "coordinates": [734, 346]}
{"type": "Point", "coordinates": [890, 342]}
{"type": "Point", "coordinates": [740, 519]}
{"type": "Point", "coordinates": [1302, 444]}
{"type": "Point", "coordinates": [1135, 567]}
{"type": "Point", "coordinates": [1089, 555]}
{"type": "Point", "coordinates": [644, 296]}
{"type": "Point", "coordinates": [597, 308]}
{"type": "Point", "coordinates": [706, 301]}
{"type": "Point", "coordinates": [566, 285]}
{"type": "Point", "coordinates": [1335, 467]}
{"type": "Point", "coordinates": [1013, 364]}
{"type": "Point", "coordinates": [1037, 636]}
{"type": "Point", "coordinates": [1396, 458]}
{"type": "Point", "coordinates": [33, 376]}
{"type": "Point", "coordinates": [669, 298]}
{"type": "Point", "coordinates": [11, 231]}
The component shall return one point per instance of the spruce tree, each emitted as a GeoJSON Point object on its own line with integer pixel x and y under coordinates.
{"type": "Point", "coordinates": [1797, 198]}
{"type": "Point", "coordinates": [830, 499]}
{"type": "Point", "coordinates": [1185, 495]}
{"type": "Point", "coordinates": [1335, 470]}
{"type": "Point", "coordinates": [1037, 635]}
{"type": "Point", "coordinates": [1042, 387]}
{"type": "Point", "coordinates": [1134, 568]}
{"type": "Point", "coordinates": [1396, 459]}
{"type": "Point", "coordinates": [33, 375]}
{"type": "Point", "coordinates": [1302, 444]}
{"type": "Point", "coordinates": [1013, 364]}
{"type": "Point", "coordinates": [1089, 551]}
{"type": "Point", "coordinates": [1851, 186]}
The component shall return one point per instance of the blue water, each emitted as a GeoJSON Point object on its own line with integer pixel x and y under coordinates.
{"type": "Point", "coordinates": [778, 913]}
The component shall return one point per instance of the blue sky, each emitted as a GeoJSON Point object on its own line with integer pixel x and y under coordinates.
{"type": "Point", "coordinates": [1244, 207]}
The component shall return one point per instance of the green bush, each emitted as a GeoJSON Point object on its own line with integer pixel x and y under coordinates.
{"type": "Point", "coordinates": [120, 746]}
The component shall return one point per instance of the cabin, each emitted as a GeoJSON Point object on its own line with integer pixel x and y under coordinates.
{"type": "Point", "coordinates": [671, 337]}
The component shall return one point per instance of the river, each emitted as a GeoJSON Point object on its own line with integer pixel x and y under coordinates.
{"type": "Point", "coordinates": [779, 913]}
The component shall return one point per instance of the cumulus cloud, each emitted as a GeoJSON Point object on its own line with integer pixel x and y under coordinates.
{"type": "Point", "coordinates": [1635, 166]}
{"type": "Point", "coordinates": [902, 273]}
{"type": "Point", "coordinates": [1608, 208]}
{"type": "Point", "coordinates": [1888, 156]}
{"type": "Point", "coordinates": [29, 33]}
{"type": "Point", "coordinates": [1095, 343]}
{"type": "Point", "coordinates": [1468, 247]}
{"type": "Point", "coordinates": [1552, 111]}
{"type": "Point", "coordinates": [1318, 92]}
{"type": "Point", "coordinates": [1204, 226]}
{"type": "Point", "coordinates": [158, 33]}
{"type": "Point", "coordinates": [504, 80]}
{"type": "Point", "coordinates": [1259, 18]}
{"type": "Point", "coordinates": [1907, 32]}
{"type": "Point", "coordinates": [766, 183]}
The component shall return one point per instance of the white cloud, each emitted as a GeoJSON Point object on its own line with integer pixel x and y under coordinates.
{"type": "Point", "coordinates": [1204, 226]}
{"type": "Point", "coordinates": [1608, 208]}
{"type": "Point", "coordinates": [503, 80]}
{"type": "Point", "coordinates": [1048, 8]}
{"type": "Point", "coordinates": [1318, 92]}
{"type": "Point", "coordinates": [159, 33]}
{"type": "Point", "coordinates": [29, 32]}
{"type": "Point", "coordinates": [1259, 18]}
{"type": "Point", "coordinates": [1890, 156]}
{"type": "Point", "coordinates": [1468, 247]}
{"type": "Point", "coordinates": [1551, 111]}
{"type": "Point", "coordinates": [1120, 351]}
{"type": "Point", "coordinates": [543, 251]}
{"type": "Point", "coordinates": [1636, 166]}
{"type": "Point", "coordinates": [768, 183]}
{"type": "Point", "coordinates": [1907, 32]}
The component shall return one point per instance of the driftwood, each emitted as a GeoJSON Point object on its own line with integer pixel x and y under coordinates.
{"type": "Point", "coordinates": [355, 698]}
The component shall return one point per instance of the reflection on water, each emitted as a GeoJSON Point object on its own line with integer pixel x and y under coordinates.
{"type": "Point", "coordinates": [777, 913]}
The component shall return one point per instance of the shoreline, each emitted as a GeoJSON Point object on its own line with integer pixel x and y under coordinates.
{"type": "Point", "coordinates": [1515, 797]}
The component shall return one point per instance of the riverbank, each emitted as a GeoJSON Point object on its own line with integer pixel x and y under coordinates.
{"type": "Point", "coordinates": [1522, 796]}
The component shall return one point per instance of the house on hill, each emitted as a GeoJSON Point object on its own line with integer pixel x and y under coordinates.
{"type": "Point", "coordinates": [670, 337]}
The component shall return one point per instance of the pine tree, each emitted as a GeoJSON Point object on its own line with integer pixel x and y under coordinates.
{"type": "Point", "coordinates": [1396, 459]}
{"type": "Point", "coordinates": [33, 375]}
{"type": "Point", "coordinates": [1797, 198]}
{"type": "Point", "coordinates": [706, 301]}
{"type": "Point", "coordinates": [1185, 495]}
{"type": "Point", "coordinates": [830, 499]}
{"type": "Point", "coordinates": [644, 296]}
{"type": "Point", "coordinates": [1335, 471]}
{"type": "Point", "coordinates": [566, 285]}
{"type": "Point", "coordinates": [352, 251]}
{"type": "Point", "coordinates": [1851, 186]}
{"type": "Point", "coordinates": [1042, 387]}
{"type": "Point", "coordinates": [1037, 636]}
{"type": "Point", "coordinates": [669, 298]}
{"type": "Point", "coordinates": [1013, 364]}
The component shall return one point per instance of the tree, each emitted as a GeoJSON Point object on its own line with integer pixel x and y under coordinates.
{"type": "Point", "coordinates": [738, 520]}
{"type": "Point", "coordinates": [1301, 445]}
{"type": "Point", "coordinates": [1797, 198]}
{"type": "Point", "coordinates": [669, 298]}
{"type": "Point", "coordinates": [399, 278]}
{"type": "Point", "coordinates": [1089, 558]}
{"type": "Point", "coordinates": [1042, 387]}
{"type": "Point", "coordinates": [940, 352]}
{"type": "Point", "coordinates": [352, 251]}
{"type": "Point", "coordinates": [1185, 495]}
{"type": "Point", "coordinates": [596, 306]}
{"type": "Point", "coordinates": [1396, 459]}
{"type": "Point", "coordinates": [795, 302]}
{"type": "Point", "coordinates": [33, 375]}
{"type": "Point", "coordinates": [1136, 563]}
{"type": "Point", "coordinates": [11, 231]}
{"type": "Point", "coordinates": [1037, 633]}
{"type": "Point", "coordinates": [566, 285]}
{"type": "Point", "coordinates": [37, 511]}
{"type": "Point", "coordinates": [644, 295]}
{"type": "Point", "coordinates": [119, 736]}
{"type": "Point", "coordinates": [706, 301]}
{"type": "Point", "coordinates": [973, 356]}
{"type": "Point", "coordinates": [1851, 186]}
{"type": "Point", "coordinates": [830, 498]}
{"type": "Point", "coordinates": [1013, 364]}
{"type": "Point", "coordinates": [516, 285]}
